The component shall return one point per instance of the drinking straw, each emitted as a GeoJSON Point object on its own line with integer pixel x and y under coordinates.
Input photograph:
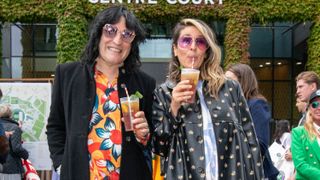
{"type": "Point", "coordinates": [192, 62]}
{"type": "Point", "coordinates": [125, 89]}
{"type": "Point", "coordinates": [128, 97]}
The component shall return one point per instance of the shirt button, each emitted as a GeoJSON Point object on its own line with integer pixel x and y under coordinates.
{"type": "Point", "coordinates": [200, 170]}
{"type": "Point", "coordinates": [199, 138]}
{"type": "Point", "coordinates": [196, 109]}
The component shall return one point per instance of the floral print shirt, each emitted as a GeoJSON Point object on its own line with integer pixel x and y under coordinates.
{"type": "Point", "coordinates": [104, 139]}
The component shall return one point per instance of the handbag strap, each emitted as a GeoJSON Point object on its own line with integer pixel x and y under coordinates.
{"type": "Point", "coordinates": [26, 164]}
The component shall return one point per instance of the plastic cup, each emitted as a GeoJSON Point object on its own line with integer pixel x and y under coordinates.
{"type": "Point", "coordinates": [193, 76]}
{"type": "Point", "coordinates": [129, 108]}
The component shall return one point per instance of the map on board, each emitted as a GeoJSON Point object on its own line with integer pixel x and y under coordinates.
{"type": "Point", "coordinates": [30, 104]}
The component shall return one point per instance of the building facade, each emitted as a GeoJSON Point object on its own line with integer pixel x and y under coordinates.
{"type": "Point", "coordinates": [277, 40]}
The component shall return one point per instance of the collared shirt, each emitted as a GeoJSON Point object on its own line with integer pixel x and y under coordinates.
{"type": "Point", "coordinates": [210, 145]}
{"type": "Point", "coordinates": [302, 119]}
{"type": "Point", "coordinates": [317, 128]}
{"type": "Point", "coordinates": [105, 138]}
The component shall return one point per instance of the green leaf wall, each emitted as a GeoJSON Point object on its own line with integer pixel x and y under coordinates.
{"type": "Point", "coordinates": [72, 17]}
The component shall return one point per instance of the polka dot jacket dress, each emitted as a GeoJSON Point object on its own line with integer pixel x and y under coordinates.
{"type": "Point", "coordinates": [179, 140]}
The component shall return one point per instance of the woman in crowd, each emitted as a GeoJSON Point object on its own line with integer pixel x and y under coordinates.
{"type": "Point", "coordinates": [280, 151]}
{"type": "Point", "coordinates": [305, 145]}
{"type": "Point", "coordinates": [282, 133]}
{"type": "Point", "coordinates": [259, 109]}
{"type": "Point", "coordinates": [212, 138]}
{"type": "Point", "coordinates": [86, 136]}
{"type": "Point", "coordinates": [12, 168]}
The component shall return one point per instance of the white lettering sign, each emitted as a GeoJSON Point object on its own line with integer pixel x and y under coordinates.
{"type": "Point", "coordinates": [155, 1]}
{"type": "Point", "coordinates": [193, 1]}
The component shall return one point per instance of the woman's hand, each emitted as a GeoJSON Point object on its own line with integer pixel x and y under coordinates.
{"type": "Point", "coordinates": [141, 127]}
{"type": "Point", "coordinates": [180, 94]}
{"type": "Point", "coordinates": [288, 155]}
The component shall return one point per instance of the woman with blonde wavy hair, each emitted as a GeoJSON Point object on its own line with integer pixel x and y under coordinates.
{"type": "Point", "coordinates": [211, 137]}
{"type": "Point", "coordinates": [305, 145]}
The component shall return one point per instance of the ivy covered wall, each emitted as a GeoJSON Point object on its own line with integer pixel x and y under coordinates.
{"type": "Point", "coordinates": [72, 17]}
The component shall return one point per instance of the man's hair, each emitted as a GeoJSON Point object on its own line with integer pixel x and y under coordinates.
{"type": "Point", "coordinates": [309, 77]}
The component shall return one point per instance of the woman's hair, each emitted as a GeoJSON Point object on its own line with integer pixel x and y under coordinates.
{"type": "Point", "coordinates": [112, 15]}
{"type": "Point", "coordinates": [309, 125]}
{"type": "Point", "coordinates": [5, 111]}
{"type": "Point", "coordinates": [247, 80]}
{"type": "Point", "coordinates": [282, 126]}
{"type": "Point", "coordinates": [210, 69]}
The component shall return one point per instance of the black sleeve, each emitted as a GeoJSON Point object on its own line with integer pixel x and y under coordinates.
{"type": "Point", "coordinates": [164, 122]}
{"type": "Point", "coordinates": [15, 144]}
{"type": "Point", "coordinates": [56, 130]}
{"type": "Point", "coordinates": [149, 99]}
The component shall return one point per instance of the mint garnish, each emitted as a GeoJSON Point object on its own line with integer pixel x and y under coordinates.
{"type": "Point", "coordinates": [137, 94]}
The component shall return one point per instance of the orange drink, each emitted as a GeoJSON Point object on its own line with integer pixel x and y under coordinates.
{"type": "Point", "coordinates": [193, 76]}
{"type": "Point", "coordinates": [129, 108]}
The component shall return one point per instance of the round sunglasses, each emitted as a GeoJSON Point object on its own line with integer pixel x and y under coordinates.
{"type": "Point", "coordinates": [185, 42]}
{"type": "Point", "coordinates": [315, 104]}
{"type": "Point", "coordinates": [111, 31]}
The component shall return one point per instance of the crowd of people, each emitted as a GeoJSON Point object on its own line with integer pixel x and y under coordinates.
{"type": "Point", "coordinates": [214, 126]}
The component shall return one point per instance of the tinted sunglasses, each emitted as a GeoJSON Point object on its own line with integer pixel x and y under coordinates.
{"type": "Point", "coordinates": [315, 104]}
{"type": "Point", "coordinates": [111, 31]}
{"type": "Point", "coordinates": [185, 42]}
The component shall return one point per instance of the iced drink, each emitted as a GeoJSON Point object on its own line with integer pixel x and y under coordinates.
{"type": "Point", "coordinates": [193, 76]}
{"type": "Point", "coordinates": [129, 110]}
